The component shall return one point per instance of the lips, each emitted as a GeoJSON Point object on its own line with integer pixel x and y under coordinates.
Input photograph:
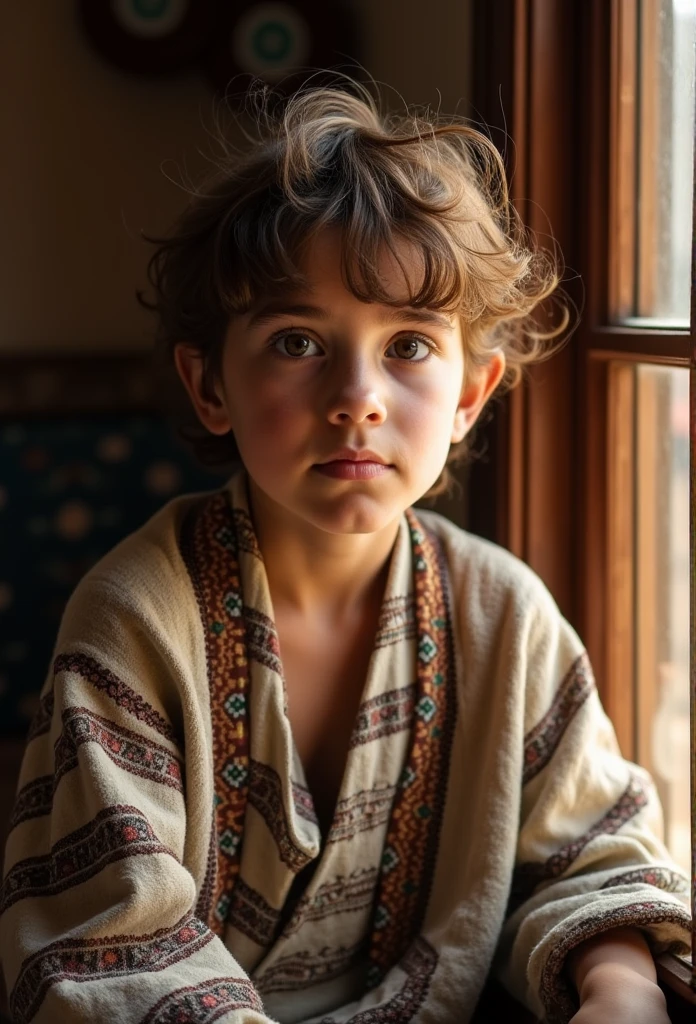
{"type": "Point", "coordinates": [353, 469]}
{"type": "Point", "coordinates": [355, 455]}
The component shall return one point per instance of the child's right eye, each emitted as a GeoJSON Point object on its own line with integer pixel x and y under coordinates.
{"type": "Point", "coordinates": [296, 345]}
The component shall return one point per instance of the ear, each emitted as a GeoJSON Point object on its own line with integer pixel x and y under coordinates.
{"type": "Point", "coordinates": [211, 411]}
{"type": "Point", "coordinates": [475, 394]}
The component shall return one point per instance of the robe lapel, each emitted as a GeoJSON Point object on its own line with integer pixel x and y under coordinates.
{"type": "Point", "coordinates": [369, 891]}
{"type": "Point", "coordinates": [408, 859]}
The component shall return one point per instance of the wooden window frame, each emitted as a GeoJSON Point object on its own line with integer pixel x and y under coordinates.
{"type": "Point", "coordinates": [557, 486]}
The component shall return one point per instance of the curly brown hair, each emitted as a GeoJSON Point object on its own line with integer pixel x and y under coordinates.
{"type": "Point", "coordinates": [327, 156]}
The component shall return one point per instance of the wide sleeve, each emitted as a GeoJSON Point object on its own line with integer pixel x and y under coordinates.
{"type": "Point", "coordinates": [105, 858]}
{"type": "Point", "coordinates": [590, 855]}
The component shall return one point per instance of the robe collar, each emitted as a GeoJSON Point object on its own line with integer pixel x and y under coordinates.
{"type": "Point", "coordinates": [226, 567]}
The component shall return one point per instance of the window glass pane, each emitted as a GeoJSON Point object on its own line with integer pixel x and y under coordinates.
{"type": "Point", "coordinates": [664, 148]}
{"type": "Point", "coordinates": [663, 593]}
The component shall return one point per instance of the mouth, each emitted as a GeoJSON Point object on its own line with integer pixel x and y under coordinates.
{"type": "Point", "coordinates": [355, 455]}
{"type": "Point", "coordinates": [350, 464]}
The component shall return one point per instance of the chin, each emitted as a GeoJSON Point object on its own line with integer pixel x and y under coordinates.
{"type": "Point", "coordinates": [353, 514]}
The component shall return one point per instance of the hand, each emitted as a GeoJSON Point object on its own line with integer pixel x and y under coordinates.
{"type": "Point", "coordinates": [614, 994]}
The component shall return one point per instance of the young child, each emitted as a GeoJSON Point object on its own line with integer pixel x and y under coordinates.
{"type": "Point", "coordinates": [304, 753]}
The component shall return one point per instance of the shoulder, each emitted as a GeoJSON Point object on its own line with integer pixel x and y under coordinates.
{"type": "Point", "coordinates": [505, 618]}
{"type": "Point", "coordinates": [146, 572]}
{"type": "Point", "coordinates": [133, 624]}
{"type": "Point", "coordinates": [484, 572]}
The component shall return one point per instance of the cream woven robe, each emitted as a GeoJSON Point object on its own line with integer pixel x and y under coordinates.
{"type": "Point", "coordinates": [163, 814]}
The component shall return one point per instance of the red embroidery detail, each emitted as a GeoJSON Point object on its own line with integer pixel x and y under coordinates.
{"type": "Point", "coordinates": [411, 845]}
{"type": "Point", "coordinates": [121, 694]}
{"type": "Point", "coordinates": [87, 960]}
{"type": "Point", "coordinates": [211, 539]}
{"type": "Point", "coordinates": [129, 750]}
{"type": "Point", "coordinates": [115, 833]}
{"type": "Point", "coordinates": [205, 1002]}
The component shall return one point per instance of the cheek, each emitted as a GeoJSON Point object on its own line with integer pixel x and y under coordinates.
{"type": "Point", "coordinates": [263, 414]}
{"type": "Point", "coordinates": [427, 412]}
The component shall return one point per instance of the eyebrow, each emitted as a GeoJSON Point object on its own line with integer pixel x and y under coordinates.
{"type": "Point", "coordinates": [273, 310]}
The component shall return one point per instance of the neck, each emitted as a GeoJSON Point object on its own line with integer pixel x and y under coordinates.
{"type": "Point", "coordinates": [312, 572]}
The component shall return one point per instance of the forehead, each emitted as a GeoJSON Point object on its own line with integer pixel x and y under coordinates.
{"type": "Point", "coordinates": [322, 284]}
{"type": "Point", "coordinates": [329, 274]}
{"type": "Point", "coordinates": [325, 257]}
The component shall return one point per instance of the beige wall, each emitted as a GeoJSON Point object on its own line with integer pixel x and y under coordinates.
{"type": "Point", "coordinates": [418, 47]}
{"type": "Point", "coordinates": [85, 148]}
{"type": "Point", "coordinates": [80, 176]}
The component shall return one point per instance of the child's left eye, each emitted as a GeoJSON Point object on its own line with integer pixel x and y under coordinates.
{"type": "Point", "coordinates": [412, 348]}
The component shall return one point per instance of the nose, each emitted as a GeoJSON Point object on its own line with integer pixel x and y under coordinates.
{"type": "Point", "coordinates": [355, 396]}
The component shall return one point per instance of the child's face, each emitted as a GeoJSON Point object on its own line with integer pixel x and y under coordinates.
{"type": "Point", "coordinates": [307, 375]}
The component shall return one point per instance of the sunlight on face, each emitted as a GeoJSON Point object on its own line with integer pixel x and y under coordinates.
{"type": "Point", "coordinates": [312, 377]}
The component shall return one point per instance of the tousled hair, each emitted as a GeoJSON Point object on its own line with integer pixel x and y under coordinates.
{"type": "Point", "coordinates": [328, 157]}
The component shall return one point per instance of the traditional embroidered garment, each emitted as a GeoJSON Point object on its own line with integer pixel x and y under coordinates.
{"type": "Point", "coordinates": [163, 826]}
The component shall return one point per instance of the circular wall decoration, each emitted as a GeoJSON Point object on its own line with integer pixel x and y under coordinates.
{"type": "Point", "coordinates": [270, 39]}
{"type": "Point", "coordinates": [149, 36]}
{"type": "Point", "coordinates": [149, 19]}
{"type": "Point", "coordinates": [279, 41]}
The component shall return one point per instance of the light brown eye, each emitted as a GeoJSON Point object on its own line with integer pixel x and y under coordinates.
{"type": "Point", "coordinates": [296, 345]}
{"type": "Point", "coordinates": [410, 348]}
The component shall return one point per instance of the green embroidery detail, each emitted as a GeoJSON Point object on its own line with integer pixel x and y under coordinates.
{"type": "Point", "coordinates": [427, 649]}
{"type": "Point", "coordinates": [234, 774]}
{"type": "Point", "coordinates": [226, 538]}
{"type": "Point", "coordinates": [233, 604]}
{"type": "Point", "coordinates": [223, 908]}
{"type": "Point", "coordinates": [229, 841]}
{"type": "Point", "coordinates": [235, 705]}
{"type": "Point", "coordinates": [382, 917]}
{"type": "Point", "coordinates": [217, 628]}
{"type": "Point", "coordinates": [389, 860]}
{"type": "Point", "coordinates": [426, 708]}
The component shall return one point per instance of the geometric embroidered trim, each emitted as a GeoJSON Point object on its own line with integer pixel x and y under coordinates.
{"type": "Point", "coordinates": [115, 833]}
{"type": "Point", "coordinates": [418, 963]}
{"type": "Point", "coordinates": [205, 1002]}
{"type": "Point", "coordinates": [529, 875]}
{"type": "Point", "coordinates": [360, 812]}
{"type": "Point", "coordinates": [122, 695]}
{"type": "Point", "coordinates": [411, 844]}
{"type": "Point", "coordinates": [129, 750]}
{"type": "Point", "coordinates": [662, 878]}
{"type": "Point", "coordinates": [84, 960]}
{"type": "Point", "coordinates": [384, 715]}
{"type": "Point", "coordinates": [559, 1001]}
{"type": "Point", "coordinates": [341, 895]}
{"type": "Point", "coordinates": [541, 742]}
{"type": "Point", "coordinates": [303, 969]}
{"type": "Point", "coordinates": [252, 915]}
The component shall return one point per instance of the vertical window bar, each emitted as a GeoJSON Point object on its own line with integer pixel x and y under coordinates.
{"type": "Point", "coordinates": [692, 610]}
